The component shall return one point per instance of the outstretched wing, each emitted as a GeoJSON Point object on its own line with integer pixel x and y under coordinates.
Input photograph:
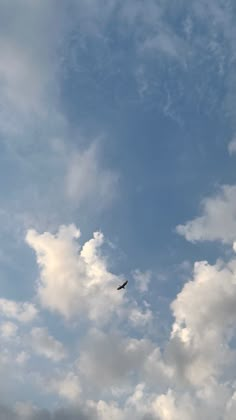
{"type": "Point", "coordinates": [123, 285]}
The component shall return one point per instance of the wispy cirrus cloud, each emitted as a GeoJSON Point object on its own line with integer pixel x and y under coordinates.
{"type": "Point", "coordinates": [232, 146]}
{"type": "Point", "coordinates": [87, 181]}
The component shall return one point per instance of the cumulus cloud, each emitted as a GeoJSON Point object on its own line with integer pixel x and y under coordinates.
{"type": "Point", "coordinates": [218, 219]}
{"type": "Point", "coordinates": [204, 314]}
{"type": "Point", "coordinates": [190, 377]}
{"type": "Point", "coordinates": [46, 345]}
{"type": "Point", "coordinates": [109, 359]}
{"type": "Point", "coordinates": [67, 387]}
{"type": "Point", "coordinates": [208, 403]}
{"type": "Point", "coordinates": [139, 318]}
{"type": "Point", "coordinates": [189, 374]}
{"type": "Point", "coordinates": [8, 329]}
{"type": "Point", "coordinates": [23, 312]}
{"type": "Point", "coordinates": [74, 280]}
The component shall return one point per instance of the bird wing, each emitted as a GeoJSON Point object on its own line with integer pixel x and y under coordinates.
{"type": "Point", "coordinates": [123, 285]}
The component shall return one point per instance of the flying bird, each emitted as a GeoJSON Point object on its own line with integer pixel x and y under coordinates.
{"type": "Point", "coordinates": [123, 285]}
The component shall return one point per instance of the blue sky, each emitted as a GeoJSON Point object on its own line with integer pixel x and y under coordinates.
{"type": "Point", "coordinates": [117, 161]}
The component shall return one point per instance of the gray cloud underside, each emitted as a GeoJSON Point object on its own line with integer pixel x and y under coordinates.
{"type": "Point", "coordinates": [7, 413]}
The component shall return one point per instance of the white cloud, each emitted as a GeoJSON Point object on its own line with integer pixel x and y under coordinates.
{"type": "Point", "coordinates": [157, 372]}
{"type": "Point", "coordinates": [218, 219]}
{"type": "Point", "coordinates": [197, 365]}
{"type": "Point", "coordinates": [192, 377]}
{"type": "Point", "coordinates": [22, 358]}
{"type": "Point", "coordinates": [74, 280]}
{"type": "Point", "coordinates": [105, 410]}
{"type": "Point", "coordinates": [139, 318]}
{"type": "Point", "coordinates": [8, 329]}
{"type": "Point", "coordinates": [21, 311]}
{"type": "Point", "coordinates": [109, 360]}
{"type": "Point", "coordinates": [67, 387]}
{"type": "Point", "coordinates": [46, 345]}
{"type": "Point", "coordinates": [197, 355]}
{"type": "Point", "coordinates": [167, 408]}
{"type": "Point", "coordinates": [204, 314]}
{"type": "Point", "coordinates": [209, 403]}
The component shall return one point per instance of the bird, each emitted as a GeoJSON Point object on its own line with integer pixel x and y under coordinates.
{"type": "Point", "coordinates": [123, 285]}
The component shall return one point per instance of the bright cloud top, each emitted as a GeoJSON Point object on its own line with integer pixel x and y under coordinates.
{"type": "Point", "coordinates": [204, 316]}
{"type": "Point", "coordinates": [218, 219]}
{"type": "Point", "coordinates": [74, 280]}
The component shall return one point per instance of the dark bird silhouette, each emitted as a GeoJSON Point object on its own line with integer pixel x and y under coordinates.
{"type": "Point", "coordinates": [123, 285]}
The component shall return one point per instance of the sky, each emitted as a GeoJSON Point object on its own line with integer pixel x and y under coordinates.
{"type": "Point", "coordinates": [117, 162]}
